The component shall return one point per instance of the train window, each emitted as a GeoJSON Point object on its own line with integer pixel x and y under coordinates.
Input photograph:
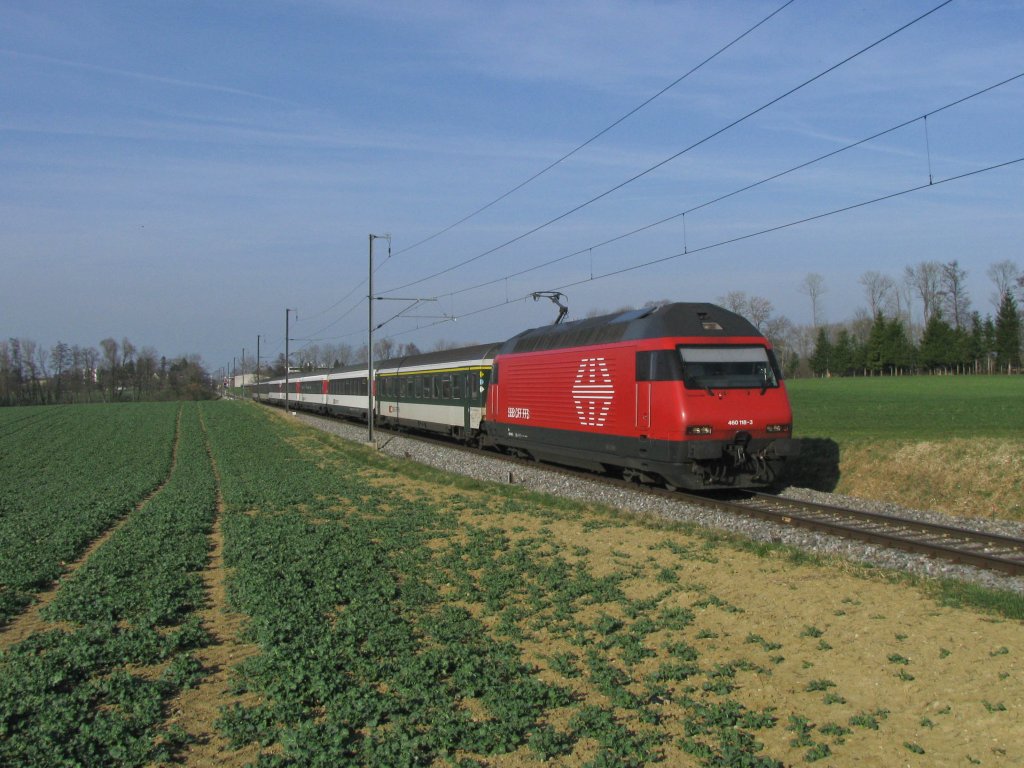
{"type": "Point", "coordinates": [446, 387]}
{"type": "Point", "coordinates": [457, 380]}
{"type": "Point", "coordinates": [658, 365]}
{"type": "Point", "coordinates": [435, 387]}
{"type": "Point", "coordinates": [728, 367]}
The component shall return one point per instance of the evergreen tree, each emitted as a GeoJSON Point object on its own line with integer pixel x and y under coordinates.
{"type": "Point", "coordinates": [843, 353]}
{"type": "Point", "coordinates": [936, 350]}
{"type": "Point", "coordinates": [875, 349]}
{"type": "Point", "coordinates": [963, 355]}
{"type": "Point", "coordinates": [821, 359]}
{"type": "Point", "coordinates": [988, 342]}
{"type": "Point", "coordinates": [1007, 336]}
{"type": "Point", "coordinates": [897, 351]}
{"type": "Point", "coordinates": [977, 342]}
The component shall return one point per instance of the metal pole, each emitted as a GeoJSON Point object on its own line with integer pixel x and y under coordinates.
{"type": "Point", "coordinates": [369, 343]}
{"type": "Point", "coordinates": [257, 366]}
{"type": "Point", "coordinates": [369, 353]}
{"type": "Point", "coordinates": [243, 373]}
{"type": "Point", "coordinates": [286, 364]}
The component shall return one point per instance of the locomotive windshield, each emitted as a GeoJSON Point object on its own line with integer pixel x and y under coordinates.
{"type": "Point", "coordinates": [713, 367]}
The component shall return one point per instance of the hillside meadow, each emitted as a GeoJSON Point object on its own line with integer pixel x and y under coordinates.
{"type": "Point", "coordinates": [946, 443]}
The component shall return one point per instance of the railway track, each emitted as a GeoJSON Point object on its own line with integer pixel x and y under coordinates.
{"type": "Point", "coordinates": [966, 546]}
{"type": "Point", "coordinates": [959, 545]}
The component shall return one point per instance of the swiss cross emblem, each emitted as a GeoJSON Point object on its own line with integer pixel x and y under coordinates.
{"type": "Point", "coordinates": [592, 391]}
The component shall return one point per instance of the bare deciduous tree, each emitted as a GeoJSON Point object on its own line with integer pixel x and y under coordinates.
{"type": "Point", "coordinates": [110, 350]}
{"type": "Point", "coordinates": [813, 286]}
{"type": "Point", "coordinates": [878, 288]}
{"type": "Point", "coordinates": [925, 279]}
{"type": "Point", "coordinates": [735, 301]}
{"type": "Point", "coordinates": [756, 309]}
{"type": "Point", "coordinates": [1004, 275]}
{"type": "Point", "coordinates": [60, 358]}
{"type": "Point", "coordinates": [384, 348]}
{"type": "Point", "coordinates": [759, 310]}
{"type": "Point", "coordinates": [954, 294]}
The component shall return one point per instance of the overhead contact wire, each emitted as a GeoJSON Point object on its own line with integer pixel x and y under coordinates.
{"type": "Point", "coordinates": [677, 155]}
{"type": "Point", "coordinates": [740, 238]}
{"type": "Point", "coordinates": [599, 134]}
{"type": "Point", "coordinates": [747, 188]}
{"type": "Point", "coordinates": [569, 154]}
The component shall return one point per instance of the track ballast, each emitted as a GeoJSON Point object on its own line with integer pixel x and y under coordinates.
{"type": "Point", "coordinates": [958, 545]}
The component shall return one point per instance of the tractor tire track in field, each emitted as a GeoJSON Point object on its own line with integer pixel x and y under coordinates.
{"type": "Point", "coordinates": [197, 708]}
{"type": "Point", "coordinates": [21, 627]}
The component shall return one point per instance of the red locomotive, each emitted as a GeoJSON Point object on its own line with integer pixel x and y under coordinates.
{"type": "Point", "coordinates": [685, 395]}
{"type": "Point", "coordinates": [688, 395]}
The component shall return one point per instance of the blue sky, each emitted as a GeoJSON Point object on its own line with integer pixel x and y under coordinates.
{"type": "Point", "coordinates": [181, 172]}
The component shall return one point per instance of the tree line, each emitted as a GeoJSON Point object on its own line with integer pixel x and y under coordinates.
{"type": "Point", "coordinates": [921, 322]}
{"type": "Point", "coordinates": [31, 374]}
{"type": "Point", "coordinates": [951, 337]}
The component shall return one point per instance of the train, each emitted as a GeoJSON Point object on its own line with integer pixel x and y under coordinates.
{"type": "Point", "coordinates": [685, 395]}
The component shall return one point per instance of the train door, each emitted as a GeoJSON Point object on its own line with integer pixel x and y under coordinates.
{"type": "Point", "coordinates": [643, 404]}
{"type": "Point", "coordinates": [644, 367]}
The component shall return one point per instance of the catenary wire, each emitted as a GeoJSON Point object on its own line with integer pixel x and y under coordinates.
{"type": "Point", "coordinates": [760, 182]}
{"type": "Point", "coordinates": [730, 241]}
{"type": "Point", "coordinates": [748, 187]}
{"type": "Point", "coordinates": [740, 238]}
{"type": "Point", "coordinates": [597, 135]}
{"type": "Point", "coordinates": [707, 203]}
{"type": "Point", "coordinates": [569, 154]}
{"type": "Point", "coordinates": [669, 159]}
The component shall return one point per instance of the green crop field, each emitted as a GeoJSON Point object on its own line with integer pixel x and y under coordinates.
{"type": "Point", "coordinates": [89, 686]}
{"type": "Point", "coordinates": [285, 598]}
{"type": "Point", "coordinates": [67, 475]}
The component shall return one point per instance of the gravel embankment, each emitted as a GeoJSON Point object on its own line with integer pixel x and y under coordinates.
{"type": "Point", "coordinates": [492, 468]}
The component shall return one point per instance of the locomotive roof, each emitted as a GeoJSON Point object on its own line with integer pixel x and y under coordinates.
{"type": "Point", "coordinates": [693, 320]}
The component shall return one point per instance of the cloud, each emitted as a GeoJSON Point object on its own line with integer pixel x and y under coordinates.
{"type": "Point", "coordinates": [140, 76]}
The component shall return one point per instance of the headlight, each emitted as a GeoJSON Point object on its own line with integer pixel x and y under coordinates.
{"type": "Point", "coordinates": [778, 428]}
{"type": "Point", "coordinates": [699, 429]}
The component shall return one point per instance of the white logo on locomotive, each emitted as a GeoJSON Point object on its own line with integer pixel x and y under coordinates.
{"type": "Point", "coordinates": [592, 391]}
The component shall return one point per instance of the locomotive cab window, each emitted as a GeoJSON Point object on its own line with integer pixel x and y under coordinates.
{"type": "Point", "coordinates": [659, 365]}
{"type": "Point", "coordinates": [728, 367]}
